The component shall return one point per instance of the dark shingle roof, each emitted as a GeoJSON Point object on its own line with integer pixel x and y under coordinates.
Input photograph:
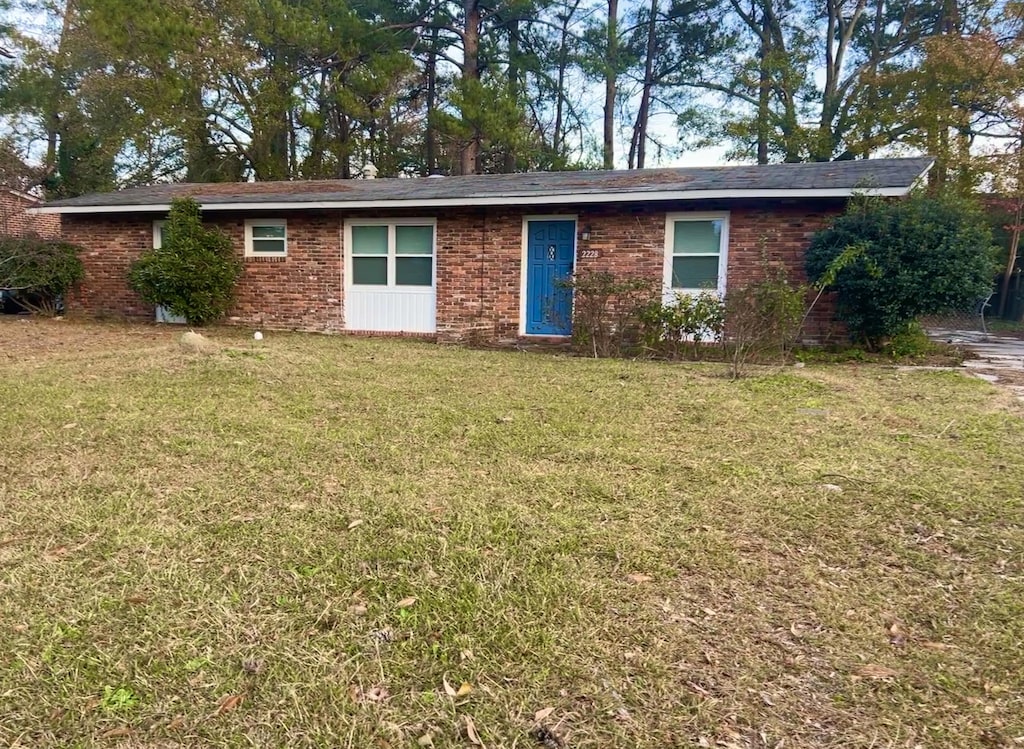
{"type": "Point", "coordinates": [888, 176]}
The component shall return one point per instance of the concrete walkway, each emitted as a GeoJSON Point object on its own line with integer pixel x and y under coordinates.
{"type": "Point", "coordinates": [1001, 350]}
{"type": "Point", "coordinates": [1000, 359]}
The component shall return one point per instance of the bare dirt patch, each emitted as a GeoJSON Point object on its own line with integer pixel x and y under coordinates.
{"type": "Point", "coordinates": [27, 337]}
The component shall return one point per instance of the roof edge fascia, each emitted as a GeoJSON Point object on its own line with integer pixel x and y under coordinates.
{"type": "Point", "coordinates": [521, 200]}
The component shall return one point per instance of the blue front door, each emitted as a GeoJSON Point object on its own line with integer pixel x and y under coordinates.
{"type": "Point", "coordinates": [550, 246]}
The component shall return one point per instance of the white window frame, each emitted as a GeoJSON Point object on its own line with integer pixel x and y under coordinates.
{"type": "Point", "coordinates": [723, 249]}
{"type": "Point", "coordinates": [392, 254]}
{"type": "Point", "coordinates": [250, 223]}
{"type": "Point", "coordinates": [157, 239]}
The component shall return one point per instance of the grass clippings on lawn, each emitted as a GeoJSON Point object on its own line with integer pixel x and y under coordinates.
{"type": "Point", "coordinates": [330, 541]}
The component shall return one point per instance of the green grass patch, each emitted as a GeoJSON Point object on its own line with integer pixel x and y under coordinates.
{"type": "Point", "coordinates": [318, 541]}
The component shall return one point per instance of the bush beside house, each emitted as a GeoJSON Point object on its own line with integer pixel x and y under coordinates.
{"type": "Point", "coordinates": [919, 256]}
{"type": "Point", "coordinates": [36, 273]}
{"type": "Point", "coordinates": [193, 272]}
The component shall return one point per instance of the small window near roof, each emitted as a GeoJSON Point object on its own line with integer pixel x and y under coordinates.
{"type": "Point", "coordinates": [266, 237]}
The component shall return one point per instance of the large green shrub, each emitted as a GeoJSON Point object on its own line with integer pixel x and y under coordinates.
{"type": "Point", "coordinates": [918, 256]}
{"type": "Point", "coordinates": [194, 271]}
{"type": "Point", "coordinates": [37, 272]}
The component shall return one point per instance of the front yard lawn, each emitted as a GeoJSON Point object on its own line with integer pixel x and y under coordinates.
{"type": "Point", "coordinates": [331, 541]}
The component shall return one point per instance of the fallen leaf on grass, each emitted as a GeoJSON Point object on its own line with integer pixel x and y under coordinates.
{"type": "Point", "coordinates": [937, 646]}
{"type": "Point", "coordinates": [542, 714]}
{"type": "Point", "coordinates": [406, 602]}
{"type": "Point", "coordinates": [72, 425]}
{"type": "Point", "coordinates": [176, 723]}
{"type": "Point", "coordinates": [637, 577]}
{"type": "Point", "coordinates": [874, 671]}
{"type": "Point", "coordinates": [448, 688]}
{"type": "Point", "coordinates": [229, 703]}
{"type": "Point", "coordinates": [355, 523]}
{"type": "Point", "coordinates": [425, 740]}
{"type": "Point", "coordinates": [465, 689]}
{"type": "Point", "coordinates": [471, 732]}
{"type": "Point", "coordinates": [896, 636]}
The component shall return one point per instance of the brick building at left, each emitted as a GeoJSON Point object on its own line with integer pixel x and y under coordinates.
{"type": "Point", "coordinates": [17, 220]}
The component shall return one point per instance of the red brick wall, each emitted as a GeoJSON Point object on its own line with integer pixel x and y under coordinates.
{"type": "Point", "coordinates": [780, 235]}
{"type": "Point", "coordinates": [302, 291]}
{"type": "Point", "coordinates": [15, 219]}
{"type": "Point", "coordinates": [479, 258]}
{"type": "Point", "coordinates": [110, 245]}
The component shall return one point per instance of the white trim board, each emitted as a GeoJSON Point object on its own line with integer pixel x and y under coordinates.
{"type": "Point", "coordinates": [524, 200]}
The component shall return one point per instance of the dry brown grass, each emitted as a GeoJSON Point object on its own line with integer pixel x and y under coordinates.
{"type": "Point", "coordinates": [219, 550]}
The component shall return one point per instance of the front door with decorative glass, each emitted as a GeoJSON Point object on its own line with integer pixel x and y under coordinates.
{"type": "Point", "coordinates": [551, 247]}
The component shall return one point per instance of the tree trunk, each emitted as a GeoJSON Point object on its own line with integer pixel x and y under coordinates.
{"type": "Point", "coordinates": [638, 145]}
{"type": "Point", "coordinates": [201, 159]}
{"type": "Point", "coordinates": [52, 116]}
{"type": "Point", "coordinates": [558, 138]}
{"type": "Point", "coordinates": [345, 150]}
{"type": "Point", "coordinates": [470, 76]}
{"type": "Point", "coordinates": [430, 134]}
{"type": "Point", "coordinates": [509, 162]}
{"type": "Point", "coordinates": [611, 75]}
{"type": "Point", "coordinates": [318, 135]}
{"type": "Point", "coordinates": [763, 92]}
{"type": "Point", "coordinates": [1011, 261]}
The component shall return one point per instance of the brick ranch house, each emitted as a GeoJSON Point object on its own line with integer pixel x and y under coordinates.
{"type": "Point", "coordinates": [476, 256]}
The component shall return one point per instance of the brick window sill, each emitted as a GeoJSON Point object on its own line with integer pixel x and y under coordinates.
{"type": "Point", "coordinates": [262, 259]}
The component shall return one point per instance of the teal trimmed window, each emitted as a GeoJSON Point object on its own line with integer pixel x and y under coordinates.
{"type": "Point", "coordinates": [393, 254]}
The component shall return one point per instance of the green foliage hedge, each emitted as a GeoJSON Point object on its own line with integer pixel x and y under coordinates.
{"type": "Point", "coordinates": [38, 272]}
{"type": "Point", "coordinates": [917, 256]}
{"type": "Point", "coordinates": [193, 273]}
